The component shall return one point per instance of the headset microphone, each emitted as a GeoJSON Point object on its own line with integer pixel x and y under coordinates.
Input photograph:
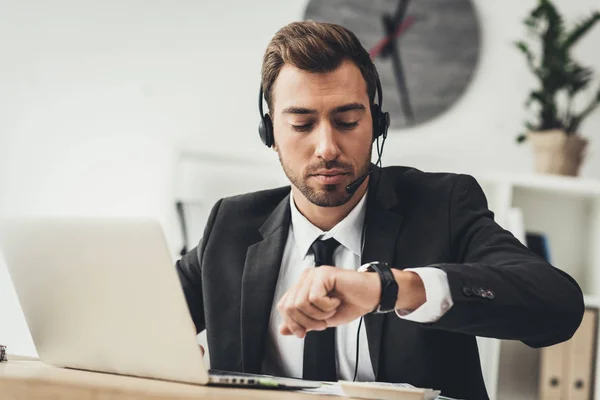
{"type": "Point", "coordinates": [353, 186]}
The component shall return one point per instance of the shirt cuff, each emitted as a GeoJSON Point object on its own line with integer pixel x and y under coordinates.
{"type": "Point", "coordinates": [438, 299]}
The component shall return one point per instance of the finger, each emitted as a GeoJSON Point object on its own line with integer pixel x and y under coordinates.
{"type": "Point", "coordinates": [288, 308]}
{"type": "Point", "coordinates": [281, 302]}
{"type": "Point", "coordinates": [326, 303]}
{"type": "Point", "coordinates": [290, 326]}
{"type": "Point", "coordinates": [319, 295]}
{"type": "Point", "coordinates": [300, 303]}
{"type": "Point", "coordinates": [284, 306]}
{"type": "Point", "coordinates": [306, 322]}
{"type": "Point", "coordinates": [284, 330]}
{"type": "Point", "coordinates": [291, 292]}
{"type": "Point", "coordinates": [304, 304]}
{"type": "Point", "coordinates": [295, 318]}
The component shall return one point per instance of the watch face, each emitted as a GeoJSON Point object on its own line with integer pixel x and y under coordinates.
{"type": "Point", "coordinates": [425, 50]}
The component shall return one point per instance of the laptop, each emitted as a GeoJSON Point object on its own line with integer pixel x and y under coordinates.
{"type": "Point", "coordinates": [104, 295]}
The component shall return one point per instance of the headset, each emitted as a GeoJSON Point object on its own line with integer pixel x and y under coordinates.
{"type": "Point", "coordinates": [381, 119]}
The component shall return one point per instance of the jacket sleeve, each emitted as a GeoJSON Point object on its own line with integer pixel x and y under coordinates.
{"type": "Point", "coordinates": [189, 269]}
{"type": "Point", "coordinates": [499, 288]}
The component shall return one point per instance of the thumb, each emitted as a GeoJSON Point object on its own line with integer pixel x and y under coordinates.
{"type": "Point", "coordinates": [326, 303]}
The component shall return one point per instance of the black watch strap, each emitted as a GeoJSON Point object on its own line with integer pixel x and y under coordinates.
{"type": "Point", "coordinates": [389, 286]}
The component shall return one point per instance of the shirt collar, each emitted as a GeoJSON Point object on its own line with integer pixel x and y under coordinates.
{"type": "Point", "coordinates": [348, 232]}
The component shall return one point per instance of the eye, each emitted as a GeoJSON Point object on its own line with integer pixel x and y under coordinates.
{"type": "Point", "coordinates": [348, 125]}
{"type": "Point", "coordinates": [302, 128]}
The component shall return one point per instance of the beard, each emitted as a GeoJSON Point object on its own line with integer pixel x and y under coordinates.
{"type": "Point", "coordinates": [325, 195]}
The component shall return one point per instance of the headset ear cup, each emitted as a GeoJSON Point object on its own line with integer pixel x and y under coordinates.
{"type": "Point", "coordinates": [265, 130]}
{"type": "Point", "coordinates": [261, 131]}
{"type": "Point", "coordinates": [376, 115]}
{"type": "Point", "coordinates": [385, 123]}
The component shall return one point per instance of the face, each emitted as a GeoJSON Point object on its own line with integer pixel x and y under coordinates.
{"type": "Point", "coordinates": [323, 130]}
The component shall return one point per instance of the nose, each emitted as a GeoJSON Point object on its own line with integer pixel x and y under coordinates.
{"type": "Point", "coordinates": [327, 146]}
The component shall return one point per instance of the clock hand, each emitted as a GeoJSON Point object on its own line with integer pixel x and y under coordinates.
{"type": "Point", "coordinates": [378, 48]}
{"type": "Point", "coordinates": [394, 27]}
{"type": "Point", "coordinates": [401, 84]}
{"type": "Point", "coordinates": [400, 12]}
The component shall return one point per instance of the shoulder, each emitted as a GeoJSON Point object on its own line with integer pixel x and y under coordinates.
{"type": "Point", "coordinates": [416, 186]}
{"type": "Point", "coordinates": [237, 219]}
{"type": "Point", "coordinates": [415, 179]}
{"type": "Point", "coordinates": [254, 204]}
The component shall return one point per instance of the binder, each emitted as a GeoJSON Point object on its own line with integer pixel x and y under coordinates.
{"type": "Point", "coordinates": [552, 379]}
{"type": "Point", "coordinates": [580, 364]}
{"type": "Point", "coordinates": [567, 370]}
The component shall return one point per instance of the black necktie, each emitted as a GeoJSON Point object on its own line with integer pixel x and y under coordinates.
{"type": "Point", "coordinates": [319, 347]}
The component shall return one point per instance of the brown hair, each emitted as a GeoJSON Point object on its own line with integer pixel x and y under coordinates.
{"type": "Point", "coordinates": [315, 47]}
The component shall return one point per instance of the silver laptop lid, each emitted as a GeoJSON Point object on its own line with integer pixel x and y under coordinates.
{"type": "Point", "coordinates": [102, 295]}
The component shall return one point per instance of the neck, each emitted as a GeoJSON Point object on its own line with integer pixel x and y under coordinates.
{"type": "Point", "coordinates": [326, 218]}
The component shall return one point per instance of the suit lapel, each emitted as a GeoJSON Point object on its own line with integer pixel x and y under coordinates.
{"type": "Point", "coordinates": [261, 270]}
{"type": "Point", "coordinates": [382, 229]}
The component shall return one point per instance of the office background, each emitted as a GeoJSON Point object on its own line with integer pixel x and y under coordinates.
{"type": "Point", "coordinates": [114, 107]}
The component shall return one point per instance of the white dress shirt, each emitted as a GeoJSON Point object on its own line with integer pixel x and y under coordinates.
{"type": "Point", "coordinates": [285, 353]}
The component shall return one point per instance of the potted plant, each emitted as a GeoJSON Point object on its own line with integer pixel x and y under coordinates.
{"type": "Point", "coordinates": [558, 146]}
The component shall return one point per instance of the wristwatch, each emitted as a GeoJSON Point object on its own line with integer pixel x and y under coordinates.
{"type": "Point", "coordinates": [389, 286]}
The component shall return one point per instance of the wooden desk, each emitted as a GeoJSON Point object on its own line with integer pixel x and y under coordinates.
{"type": "Point", "coordinates": [32, 380]}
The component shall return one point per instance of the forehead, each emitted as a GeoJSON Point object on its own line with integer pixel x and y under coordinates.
{"type": "Point", "coordinates": [296, 87]}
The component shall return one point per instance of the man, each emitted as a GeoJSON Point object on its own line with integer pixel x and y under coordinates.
{"type": "Point", "coordinates": [452, 273]}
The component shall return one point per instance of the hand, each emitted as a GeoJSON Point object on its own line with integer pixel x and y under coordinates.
{"type": "Point", "coordinates": [326, 297]}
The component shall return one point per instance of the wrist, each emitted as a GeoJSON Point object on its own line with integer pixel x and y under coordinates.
{"type": "Point", "coordinates": [411, 291]}
{"type": "Point", "coordinates": [388, 286]}
{"type": "Point", "coordinates": [362, 290]}
{"type": "Point", "coordinates": [374, 285]}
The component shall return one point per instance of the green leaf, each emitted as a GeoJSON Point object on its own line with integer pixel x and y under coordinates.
{"type": "Point", "coordinates": [530, 23]}
{"type": "Point", "coordinates": [580, 29]}
{"type": "Point", "coordinates": [521, 45]}
{"type": "Point", "coordinates": [578, 119]}
{"type": "Point", "coordinates": [530, 126]}
{"type": "Point", "coordinates": [577, 78]}
{"type": "Point", "coordinates": [539, 96]}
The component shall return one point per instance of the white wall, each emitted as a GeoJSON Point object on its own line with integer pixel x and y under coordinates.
{"type": "Point", "coordinates": [98, 97]}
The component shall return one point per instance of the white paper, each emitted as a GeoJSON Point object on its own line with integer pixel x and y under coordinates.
{"type": "Point", "coordinates": [335, 389]}
{"type": "Point", "coordinates": [327, 388]}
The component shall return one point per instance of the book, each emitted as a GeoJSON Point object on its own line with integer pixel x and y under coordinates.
{"type": "Point", "coordinates": [538, 244]}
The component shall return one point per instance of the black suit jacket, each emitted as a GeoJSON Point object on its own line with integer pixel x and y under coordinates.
{"type": "Point", "coordinates": [498, 287]}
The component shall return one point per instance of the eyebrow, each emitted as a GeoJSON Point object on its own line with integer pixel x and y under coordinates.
{"type": "Point", "coordinates": [348, 107]}
{"type": "Point", "coordinates": [337, 110]}
{"type": "Point", "coordinates": [298, 110]}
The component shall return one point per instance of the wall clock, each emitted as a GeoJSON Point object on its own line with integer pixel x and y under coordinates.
{"type": "Point", "coordinates": [425, 50]}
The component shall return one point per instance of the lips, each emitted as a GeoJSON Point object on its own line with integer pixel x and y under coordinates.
{"type": "Point", "coordinates": [330, 177]}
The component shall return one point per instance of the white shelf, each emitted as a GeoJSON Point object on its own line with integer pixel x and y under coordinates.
{"type": "Point", "coordinates": [591, 301]}
{"type": "Point", "coordinates": [567, 211]}
{"type": "Point", "coordinates": [548, 183]}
